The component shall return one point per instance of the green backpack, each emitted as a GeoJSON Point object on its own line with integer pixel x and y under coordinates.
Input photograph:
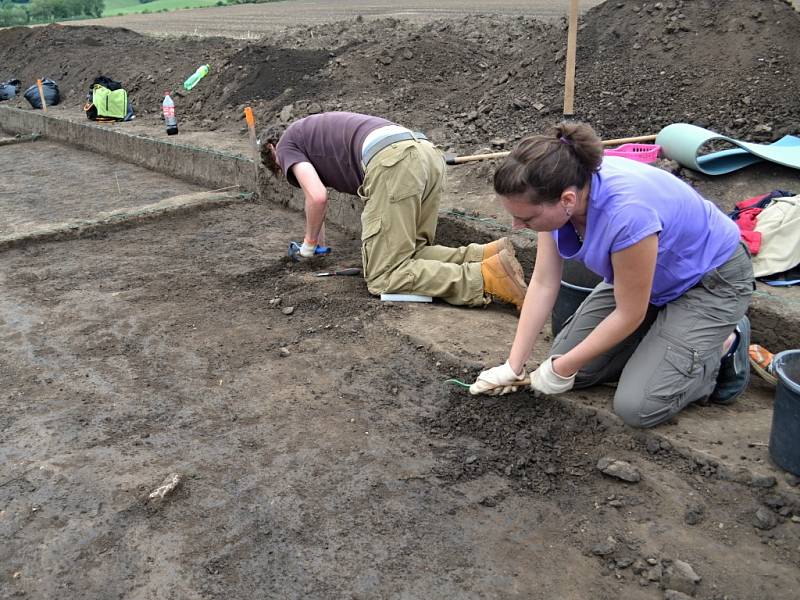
{"type": "Point", "coordinates": [107, 104]}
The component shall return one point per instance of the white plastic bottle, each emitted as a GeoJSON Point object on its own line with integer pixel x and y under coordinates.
{"type": "Point", "coordinates": [170, 120]}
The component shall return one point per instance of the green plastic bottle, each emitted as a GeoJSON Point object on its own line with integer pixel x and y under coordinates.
{"type": "Point", "coordinates": [201, 72]}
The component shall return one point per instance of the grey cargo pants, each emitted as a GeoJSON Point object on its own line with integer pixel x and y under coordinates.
{"type": "Point", "coordinates": [673, 358]}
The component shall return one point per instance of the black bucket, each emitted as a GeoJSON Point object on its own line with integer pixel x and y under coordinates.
{"type": "Point", "coordinates": [576, 284]}
{"type": "Point", "coordinates": [784, 440]}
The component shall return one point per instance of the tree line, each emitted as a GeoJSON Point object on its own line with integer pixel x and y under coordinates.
{"type": "Point", "coordinates": [46, 11]}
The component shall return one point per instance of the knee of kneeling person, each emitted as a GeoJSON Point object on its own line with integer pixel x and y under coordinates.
{"type": "Point", "coordinates": [376, 284]}
{"type": "Point", "coordinates": [629, 407]}
{"type": "Point", "coordinates": [638, 409]}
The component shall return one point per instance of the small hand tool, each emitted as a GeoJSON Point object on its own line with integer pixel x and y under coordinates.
{"type": "Point", "coordinates": [294, 251]}
{"type": "Point", "coordinates": [347, 271]}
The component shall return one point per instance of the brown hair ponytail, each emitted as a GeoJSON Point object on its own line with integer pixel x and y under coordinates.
{"type": "Point", "coordinates": [543, 166]}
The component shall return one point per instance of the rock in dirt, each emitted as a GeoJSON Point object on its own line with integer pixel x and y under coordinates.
{"type": "Point", "coordinates": [655, 573]}
{"type": "Point", "coordinates": [675, 595]}
{"type": "Point", "coordinates": [623, 562]}
{"type": "Point", "coordinates": [287, 113]}
{"type": "Point", "coordinates": [605, 547]}
{"type": "Point", "coordinates": [653, 446]}
{"type": "Point", "coordinates": [169, 485]}
{"type": "Point", "coordinates": [619, 469]}
{"type": "Point", "coordinates": [639, 566]}
{"type": "Point", "coordinates": [694, 514]}
{"type": "Point", "coordinates": [763, 481]}
{"type": "Point", "coordinates": [284, 352]}
{"type": "Point", "coordinates": [792, 479]}
{"type": "Point", "coordinates": [777, 501]}
{"type": "Point", "coordinates": [680, 577]}
{"type": "Point", "coordinates": [287, 310]}
{"type": "Point", "coordinates": [765, 519]}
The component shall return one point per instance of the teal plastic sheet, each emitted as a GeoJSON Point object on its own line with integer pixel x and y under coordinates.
{"type": "Point", "coordinates": [683, 142]}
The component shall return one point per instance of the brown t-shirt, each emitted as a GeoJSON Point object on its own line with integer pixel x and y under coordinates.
{"type": "Point", "coordinates": [332, 143]}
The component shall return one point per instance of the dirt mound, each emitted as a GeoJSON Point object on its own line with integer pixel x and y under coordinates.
{"type": "Point", "coordinates": [269, 72]}
{"type": "Point", "coordinates": [641, 66]}
{"type": "Point", "coordinates": [470, 83]}
{"type": "Point", "coordinates": [728, 66]}
{"type": "Point", "coordinates": [538, 444]}
{"type": "Point", "coordinates": [74, 56]}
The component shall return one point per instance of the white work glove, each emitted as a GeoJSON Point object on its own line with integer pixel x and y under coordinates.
{"type": "Point", "coordinates": [545, 380]}
{"type": "Point", "coordinates": [307, 249]}
{"type": "Point", "coordinates": [497, 381]}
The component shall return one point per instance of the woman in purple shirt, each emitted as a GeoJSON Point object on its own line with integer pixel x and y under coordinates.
{"type": "Point", "coordinates": [668, 320]}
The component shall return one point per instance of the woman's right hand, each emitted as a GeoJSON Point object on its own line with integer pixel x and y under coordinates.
{"type": "Point", "coordinates": [498, 380]}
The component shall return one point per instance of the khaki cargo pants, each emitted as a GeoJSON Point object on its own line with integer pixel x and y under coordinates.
{"type": "Point", "coordinates": [673, 358]}
{"type": "Point", "coordinates": [402, 189]}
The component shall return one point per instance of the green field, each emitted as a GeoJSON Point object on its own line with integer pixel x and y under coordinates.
{"type": "Point", "coordinates": [126, 7]}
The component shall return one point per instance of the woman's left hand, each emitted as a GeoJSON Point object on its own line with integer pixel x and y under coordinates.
{"type": "Point", "coordinates": [545, 380]}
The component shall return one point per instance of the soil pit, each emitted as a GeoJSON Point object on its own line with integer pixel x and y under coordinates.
{"type": "Point", "coordinates": [46, 183]}
{"type": "Point", "coordinates": [320, 454]}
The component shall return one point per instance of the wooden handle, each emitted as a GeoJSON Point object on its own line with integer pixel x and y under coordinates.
{"type": "Point", "coordinates": [630, 140]}
{"type": "Point", "coordinates": [251, 127]}
{"type": "Point", "coordinates": [572, 44]}
{"type": "Point", "coordinates": [457, 160]}
{"type": "Point", "coordinates": [248, 116]}
{"type": "Point", "coordinates": [41, 94]}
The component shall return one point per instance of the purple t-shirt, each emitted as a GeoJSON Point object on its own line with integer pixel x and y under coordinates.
{"type": "Point", "coordinates": [629, 201]}
{"type": "Point", "coordinates": [331, 142]}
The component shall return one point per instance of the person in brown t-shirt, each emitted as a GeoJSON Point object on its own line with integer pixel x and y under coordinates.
{"type": "Point", "coordinates": [399, 175]}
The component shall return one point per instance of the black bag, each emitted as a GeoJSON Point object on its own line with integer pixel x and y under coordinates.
{"type": "Point", "coordinates": [91, 110]}
{"type": "Point", "coordinates": [50, 90]}
{"type": "Point", "coordinates": [9, 89]}
{"type": "Point", "coordinates": [106, 82]}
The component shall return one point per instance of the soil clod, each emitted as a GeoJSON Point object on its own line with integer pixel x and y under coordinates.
{"type": "Point", "coordinates": [619, 469]}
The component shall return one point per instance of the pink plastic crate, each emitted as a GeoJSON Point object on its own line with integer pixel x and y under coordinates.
{"type": "Point", "coordinates": [645, 153]}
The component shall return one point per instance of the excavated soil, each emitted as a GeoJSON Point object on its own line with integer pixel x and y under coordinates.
{"type": "Point", "coordinates": [320, 454]}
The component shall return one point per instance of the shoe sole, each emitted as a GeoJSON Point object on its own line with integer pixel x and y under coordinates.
{"type": "Point", "coordinates": [763, 373]}
{"type": "Point", "coordinates": [510, 248]}
{"type": "Point", "coordinates": [507, 246]}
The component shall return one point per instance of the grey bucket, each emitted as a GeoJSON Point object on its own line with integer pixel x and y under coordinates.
{"type": "Point", "coordinates": [576, 284]}
{"type": "Point", "coordinates": [784, 440]}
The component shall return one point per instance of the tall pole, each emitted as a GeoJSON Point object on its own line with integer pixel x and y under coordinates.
{"type": "Point", "coordinates": [572, 43]}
